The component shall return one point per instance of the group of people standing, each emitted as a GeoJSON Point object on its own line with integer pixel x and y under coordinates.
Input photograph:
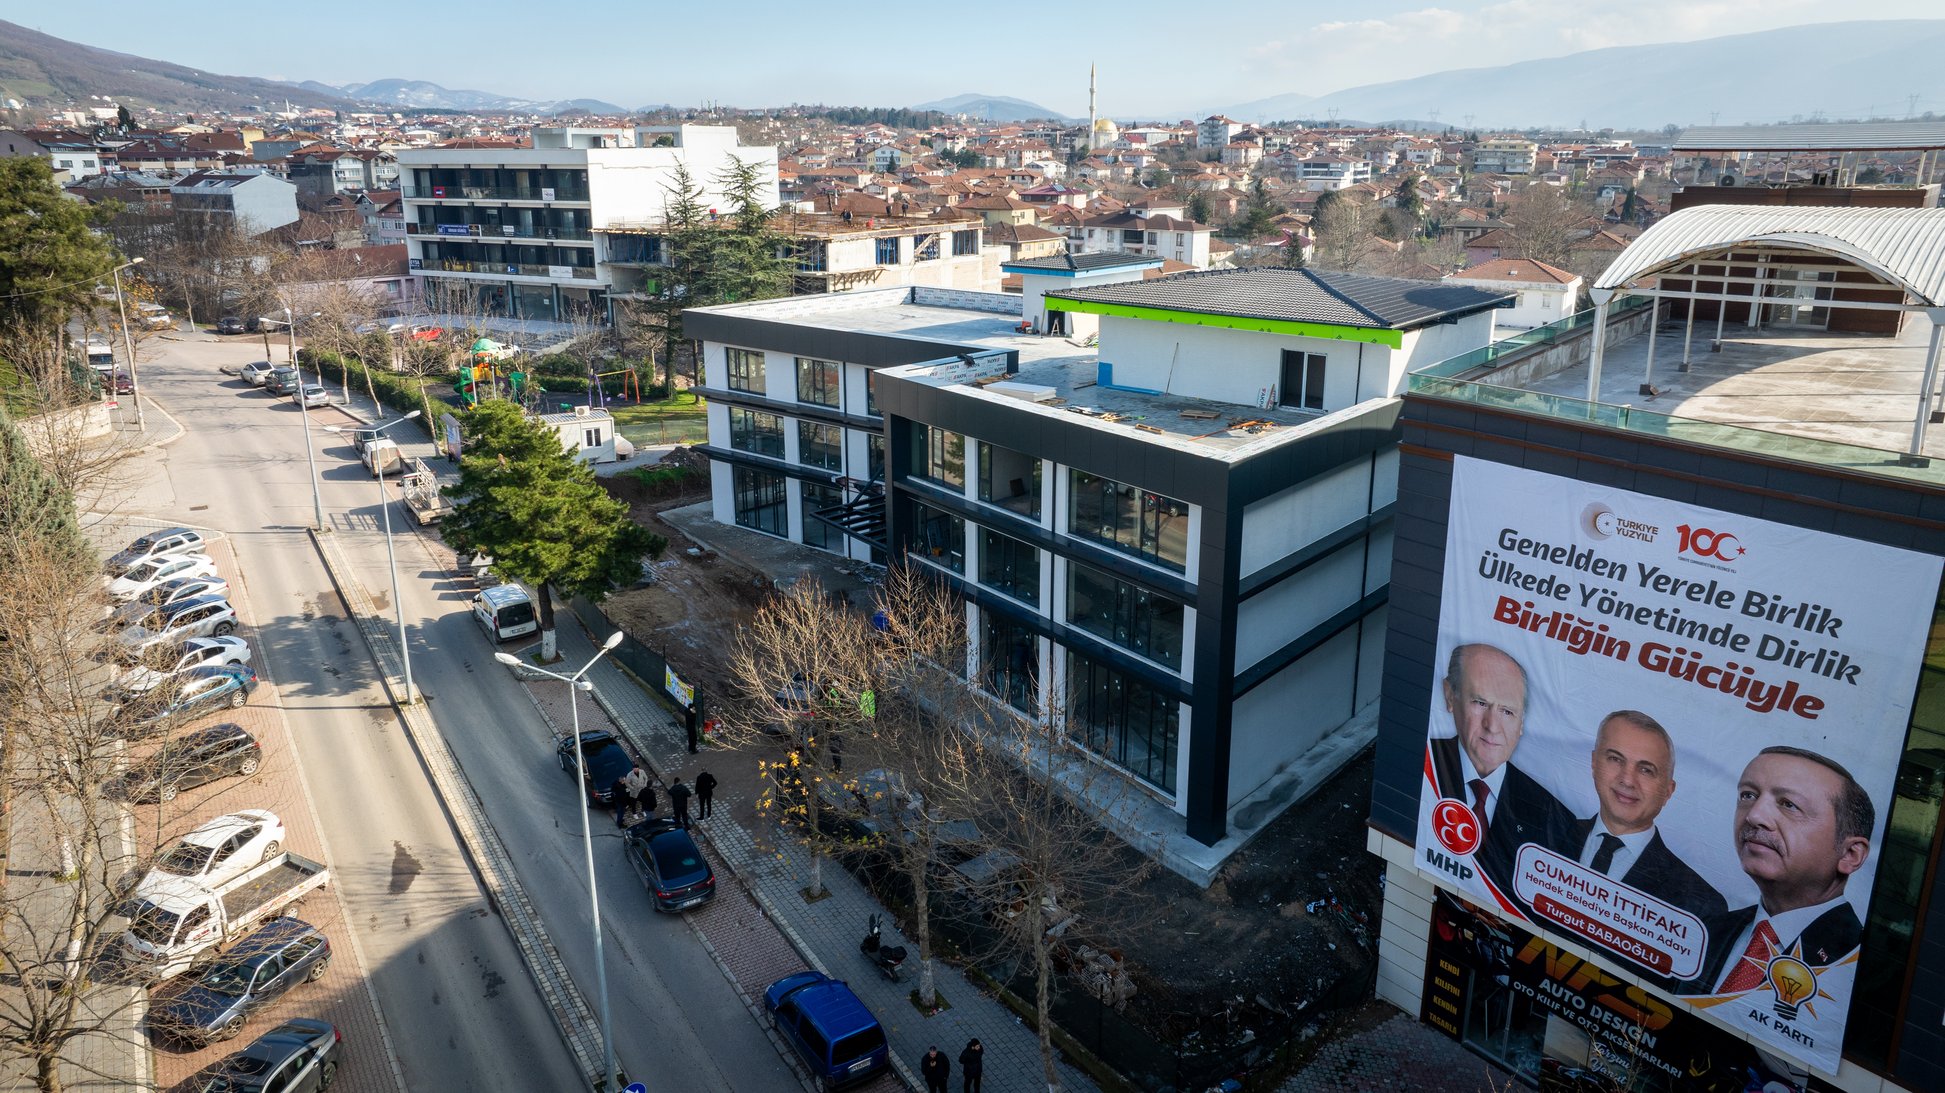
{"type": "Point", "coordinates": [634, 798]}
{"type": "Point", "coordinates": [936, 1069]}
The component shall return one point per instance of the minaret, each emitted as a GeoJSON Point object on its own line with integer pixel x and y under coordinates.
{"type": "Point", "coordinates": [1090, 109]}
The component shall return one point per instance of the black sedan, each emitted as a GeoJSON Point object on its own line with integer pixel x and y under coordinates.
{"type": "Point", "coordinates": [194, 759]}
{"type": "Point", "coordinates": [298, 1056]}
{"type": "Point", "coordinates": [670, 864]}
{"type": "Point", "coordinates": [607, 759]}
{"type": "Point", "coordinates": [235, 324]}
{"type": "Point", "coordinates": [261, 968]}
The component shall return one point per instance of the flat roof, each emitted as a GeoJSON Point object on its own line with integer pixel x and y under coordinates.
{"type": "Point", "coordinates": [1218, 429]}
{"type": "Point", "coordinates": [1887, 136]}
{"type": "Point", "coordinates": [1083, 263]}
{"type": "Point", "coordinates": [1843, 401]}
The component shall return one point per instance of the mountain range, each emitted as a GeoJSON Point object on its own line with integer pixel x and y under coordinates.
{"type": "Point", "coordinates": [36, 67]}
{"type": "Point", "coordinates": [1854, 69]}
{"type": "Point", "coordinates": [991, 108]}
{"type": "Point", "coordinates": [423, 95]}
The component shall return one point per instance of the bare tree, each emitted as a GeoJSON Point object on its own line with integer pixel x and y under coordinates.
{"type": "Point", "coordinates": [1542, 222]}
{"type": "Point", "coordinates": [800, 671]}
{"type": "Point", "coordinates": [1050, 865]}
{"type": "Point", "coordinates": [1344, 226]}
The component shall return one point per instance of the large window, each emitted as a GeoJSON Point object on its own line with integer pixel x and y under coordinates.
{"type": "Point", "coordinates": [745, 370]}
{"type": "Point", "coordinates": [939, 456]}
{"type": "Point", "coordinates": [1146, 525]}
{"type": "Point", "coordinates": [816, 532]}
{"type": "Point", "coordinates": [820, 446]}
{"type": "Point", "coordinates": [818, 382]}
{"type": "Point", "coordinates": [1009, 565]}
{"type": "Point", "coordinates": [1133, 618]}
{"type": "Point", "coordinates": [1009, 479]}
{"type": "Point", "coordinates": [939, 536]}
{"type": "Point", "coordinates": [1302, 380]}
{"type": "Point", "coordinates": [1009, 661]}
{"type": "Point", "coordinates": [760, 501]}
{"type": "Point", "coordinates": [871, 392]}
{"type": "Point", "coordinates": [965, 242]}
{"type": "Point", "coordinates": [1123, 720]}
{"type": "Point", "coordinates": [756, 432]}
{"type": "Point", "coordinates": [888, 251]}
{"type": "Point", "coordinates": [874, 453]}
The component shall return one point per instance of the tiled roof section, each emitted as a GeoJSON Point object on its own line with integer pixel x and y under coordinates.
{"type": "Point", "coordinates": [1299, 295]}
{"type": "Point", "coordinates": [1083, 262]}
{"type": "Point", "coordinates": [1516, 269]}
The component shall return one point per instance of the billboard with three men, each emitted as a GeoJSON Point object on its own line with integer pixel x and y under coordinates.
{"type": "Point", "coordinates": [1669, 734]}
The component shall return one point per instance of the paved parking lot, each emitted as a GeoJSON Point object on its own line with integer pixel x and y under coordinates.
{"type": "Point", "coordinates": [340, 997]}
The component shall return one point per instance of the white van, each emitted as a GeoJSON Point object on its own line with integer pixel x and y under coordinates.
{"type": "Point", "coordinates": [505, 612]}
{"type": "Point", "coordinates": [101, 358]}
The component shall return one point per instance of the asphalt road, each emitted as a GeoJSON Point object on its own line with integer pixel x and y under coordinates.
{"type": "Point", "coordinates": [461, 1009]}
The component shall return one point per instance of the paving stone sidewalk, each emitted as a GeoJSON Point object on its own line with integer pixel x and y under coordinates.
{"type": "Point", "coordinates": [1377, 1049]}
{"type": "Point", "coordinates": [824, 934]}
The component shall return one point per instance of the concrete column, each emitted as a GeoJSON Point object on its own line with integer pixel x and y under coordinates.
{"type": "Point", "coordinates": [1688, 328]}
{"type": "Point", "coordinates": [1929, 385]}
{"type": "Point", "coordinates": [1654, 321]}
{"type": "Point", "coordinates": [1601, 297]}
{"type": "Point", "coordinates": [1722, 302]}
{"type": "Point", "coordinates": [1756, 296]}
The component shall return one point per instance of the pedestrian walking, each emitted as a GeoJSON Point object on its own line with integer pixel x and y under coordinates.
{"type": "Point", "coordinates": [936, 1069]}
{"type": "Point", "coordinates": [705, 795]}
{"type": "Point", "coordinates": [679, 803]}
{"type": "Point", "coordinates": [972, 1066]}
{"type": "Point", "coordinates": [618, 796]}
{"type": "Point", "coordinates": [689, 723]}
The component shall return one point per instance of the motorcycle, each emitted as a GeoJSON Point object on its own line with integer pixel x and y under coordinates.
{"type": "Point", "coordinates": [889, 959]}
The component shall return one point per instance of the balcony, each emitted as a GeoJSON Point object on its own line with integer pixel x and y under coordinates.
{"type": "Point", "coordinates": [492, 193]}
{"type": "Point", "coordinates": [508, 269]}
{"type": "Point", "coordinates": [499, 231]}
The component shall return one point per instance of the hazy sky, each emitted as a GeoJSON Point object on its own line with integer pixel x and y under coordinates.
{"type": "Point", "coordinates": [1156, 58]}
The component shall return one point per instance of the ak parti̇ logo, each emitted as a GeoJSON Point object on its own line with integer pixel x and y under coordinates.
{"type": "Point", "coordinates": [1455, 826]}
{"type": "Point", "coordinates": [1708, 543]}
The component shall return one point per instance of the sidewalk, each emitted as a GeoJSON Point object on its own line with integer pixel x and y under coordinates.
{"type": "Point", "coordinates": [1377, 1049]}
{"type": "Point", "coordinates": [825, 933]}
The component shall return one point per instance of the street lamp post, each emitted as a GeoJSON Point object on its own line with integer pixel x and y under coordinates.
{"type": "Point", "coordinates": [304, 410]}
{"type": "Point", "coordinates": [128, 346]}
{"type": "Point", "coordinates": [391, 563]}
{"type": "Point", "coordinates": [576, 683]}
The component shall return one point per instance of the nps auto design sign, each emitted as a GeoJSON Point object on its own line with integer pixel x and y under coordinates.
{"type": "Point", "coordinates": [1669, 734]}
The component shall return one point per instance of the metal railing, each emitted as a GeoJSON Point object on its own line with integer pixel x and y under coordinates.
{"type": "Point", "coordinates": [509, 269]}
{"type": "Point", "coordinates": [497, 231]}
{"type": "Point", "coordinates": [1617, 308]}
{"type": "Point", "coordinates": [457, 192]}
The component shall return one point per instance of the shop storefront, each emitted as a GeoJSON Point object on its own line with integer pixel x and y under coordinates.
{"type": "Point", "coordinates": [1561, 1023]}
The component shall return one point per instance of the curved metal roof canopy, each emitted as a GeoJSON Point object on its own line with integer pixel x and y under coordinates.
{"type": "Point", "coordinates": [1903, 247]}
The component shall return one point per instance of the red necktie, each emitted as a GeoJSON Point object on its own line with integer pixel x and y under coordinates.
{"type": "Point", "coordinates": [1753, 969]}
{"type": "Point", "coordinates": [1479, 792]}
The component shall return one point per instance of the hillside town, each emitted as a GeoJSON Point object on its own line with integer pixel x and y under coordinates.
{"type": "Point", "coordinates": [506, 599]}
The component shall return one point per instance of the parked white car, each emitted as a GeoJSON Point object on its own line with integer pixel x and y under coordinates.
{"type": "Point", "coordinates": [146, 576]}
{"type": "Point", "coordinates": [315, 395]}
{"type": "Point", "coordinates": [256, 372]}
{"type": "Point", "coordinates": [193, 653]}
{"type": "Point", "coordinates": [155, 544]}
{"type": "Point", "coordinates": [225, 847]}
{"type": "Point", "coordinates": [205, 616]}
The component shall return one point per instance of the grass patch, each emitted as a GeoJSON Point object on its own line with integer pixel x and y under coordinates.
{"type": "Point", "coordinates": [680, 419]}
{"type": "Point", "coordinates": [681, 405]}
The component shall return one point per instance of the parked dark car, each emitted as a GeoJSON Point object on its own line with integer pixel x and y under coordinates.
{"type": "Point", "coordinates": [194, 759]}
{"type": "Point", "coordinates": [124, 382]}
{"type": "Point", "coordinates": [607, 762]}
{"type": "Point", "coordinates": [670, 864]}
{"type": "Point", "coordinates": [831, 1031]}
{"type": "Point", "coordinates": [298, 1056]}
{"type": "Point", "coordinates": [257, 970]}
{"type": "Point", "coordinates": [282, 380]}
{"type": "Point", "coordinates": [236, 324]}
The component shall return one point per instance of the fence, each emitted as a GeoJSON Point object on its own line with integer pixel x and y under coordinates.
{"type": "Point", "coordinates": [648, 664]}
{"type": "Point", "coordinates": [1574, 327]}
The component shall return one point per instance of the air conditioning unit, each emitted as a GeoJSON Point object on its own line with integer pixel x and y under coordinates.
{"type": "Point", "coordinates": [582, 411]}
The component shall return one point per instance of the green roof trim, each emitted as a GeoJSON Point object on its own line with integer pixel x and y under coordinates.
{"type": "Point", "coordinates": [1329, 331]}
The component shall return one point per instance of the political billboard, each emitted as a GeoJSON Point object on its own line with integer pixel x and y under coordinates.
{"type": "Point", "coordinates": [1669, 735]}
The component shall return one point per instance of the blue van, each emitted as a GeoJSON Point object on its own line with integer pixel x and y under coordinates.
{"type": "Point", "coordinates": [830, 1029]}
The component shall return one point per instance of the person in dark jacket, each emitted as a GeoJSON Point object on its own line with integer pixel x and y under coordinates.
{"type": "Point", "coordinates": [936, 1069]}
{"type": "Point", "coordinates": [705, 795]}
{"type": "Point", "coordinates": [972, 1066]}
{"type": "Point", "coordinates": [679, 803]}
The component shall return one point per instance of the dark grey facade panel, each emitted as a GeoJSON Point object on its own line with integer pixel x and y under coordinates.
{"type": "Point", "coordinates": [807, 411]}
{"type": "Point", "coordinates": [765, 463]}
{"type": "Point", "coordinates": [805, 340]}
{"type": "Point", "coordinates": [1317, 453]}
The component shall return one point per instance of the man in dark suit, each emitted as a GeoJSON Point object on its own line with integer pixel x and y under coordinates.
{"type": "Point", "coordinates": [1803, 826]}
{"type": "Point", "coordinates": [1485, 692]}
{"type": "Point", "coordinates": [1634, 774]}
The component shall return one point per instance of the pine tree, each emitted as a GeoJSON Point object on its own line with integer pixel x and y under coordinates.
{"type": "Point", "coordinates": [540, 513]}
{"type": "Point", "coordinates": [51, 254]}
